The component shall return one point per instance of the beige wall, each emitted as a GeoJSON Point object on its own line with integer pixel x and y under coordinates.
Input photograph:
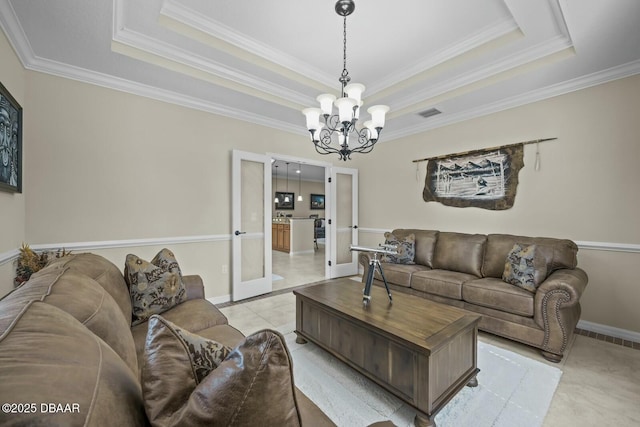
{"type": "Point", "coordinates": [301, 209]}
{"type": "Point", "coordinates": [114, 166]}
{"type": "Point", "coordinates": [585, 190]}
{"type": "Point", "coordinates": [12, 205]}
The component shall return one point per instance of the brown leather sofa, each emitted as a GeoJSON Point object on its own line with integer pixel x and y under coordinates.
{"type": "Point", "coordinates": [69, 356]}
{"type": "Point", "coordinates": [465, 270]}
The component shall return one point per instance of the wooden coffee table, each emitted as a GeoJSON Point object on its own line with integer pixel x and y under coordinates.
{"type": "Point", "coordinates": [420, 351]}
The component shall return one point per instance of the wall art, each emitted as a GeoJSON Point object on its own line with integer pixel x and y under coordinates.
{"type": "Point", "coordinates": [484, 179]}
{"type": "Point", "coordinates": [10, 143]}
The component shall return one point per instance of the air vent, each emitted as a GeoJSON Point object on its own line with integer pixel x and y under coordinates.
{"type": "Point", "coordinates": [430, 112]}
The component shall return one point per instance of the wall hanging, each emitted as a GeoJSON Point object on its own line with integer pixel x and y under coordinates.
{"type": "Point", "coordinates": [10, 142]}
{"type": "Point", "coordinates": [485, 178]}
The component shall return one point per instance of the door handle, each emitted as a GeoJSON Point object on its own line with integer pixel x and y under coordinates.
{"type": "Point", "coordinates": [354, 226]}
{"type": "Point", "coordinates": [238, 232]}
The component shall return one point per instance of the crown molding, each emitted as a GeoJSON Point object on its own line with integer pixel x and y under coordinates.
{"type": "Point", "coordinates": [17, 38]}
{"type": "Point", "coordinates": [204, 68]}
{"type": "Point", "coordinates": [626, 70]}
{"type": "Point", "coordinates": [174, 10]}
{"type": "Point", "coordinates": [482, 37]}
{"type": "Point", "coordinates": [528, 56]}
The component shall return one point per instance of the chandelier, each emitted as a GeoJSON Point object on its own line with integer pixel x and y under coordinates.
{"type": "Point", "coordinates": [350, 139]}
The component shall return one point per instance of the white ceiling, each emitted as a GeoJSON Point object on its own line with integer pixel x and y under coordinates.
{"type": "Point", "coordinates": [263, 61]}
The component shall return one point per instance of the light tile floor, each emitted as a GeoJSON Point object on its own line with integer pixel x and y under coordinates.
{"type": "Point", "coordinates": [600, 385]}
{"type": "Point", "coordinates": [299, 269]}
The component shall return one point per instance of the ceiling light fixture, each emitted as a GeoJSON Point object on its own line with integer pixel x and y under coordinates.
{"type": "Point", "coordinates": [299, 172]}
{"type": "Point", "coordinates": [348, 105]}
{"type": "Point", "coordinates": [286, 195]}
{"type": "Point", "coordinates": [276, 200]}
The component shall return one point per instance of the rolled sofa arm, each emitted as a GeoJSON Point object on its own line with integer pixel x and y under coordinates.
{"type": "Point", "coordinates": [194, 286]}
{"type": "Point", "coordinates": [557, 308]}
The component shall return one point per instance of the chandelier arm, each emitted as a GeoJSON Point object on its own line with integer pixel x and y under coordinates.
{"type": "Point", "coordinates": [332, 123]}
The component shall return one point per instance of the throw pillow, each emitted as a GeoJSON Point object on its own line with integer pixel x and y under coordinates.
{"type": "Point", "coordinates": [524, 267]}
{"type": "Point", "coordinates": [253, 385]}
{"type": "Point", "coordinates": [154, 286]}
{"type": "Point", "coordinates": [406, 249]}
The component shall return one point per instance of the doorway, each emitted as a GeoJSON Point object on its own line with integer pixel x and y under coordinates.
{"type": "Point", "coordinates": [299, 239]}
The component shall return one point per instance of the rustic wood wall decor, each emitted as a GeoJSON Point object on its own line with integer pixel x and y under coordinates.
{"type": "Point", "coordinates": [486, 178]}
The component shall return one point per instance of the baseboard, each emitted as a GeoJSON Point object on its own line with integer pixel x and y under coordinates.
{"type": "Point", "coordinates": [609, 331]}
{"type": "Point", "coordinates": [219, 300]}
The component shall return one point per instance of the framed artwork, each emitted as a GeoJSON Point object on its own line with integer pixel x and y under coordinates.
{"type": "Point", "coordinates": [317, 201]}
{"type": "Point", "coordinates": [485, 179]}
{"type": "Point", "coordinates": [10, 143]}
{"type": "Point", "coordinates": [280, 195]}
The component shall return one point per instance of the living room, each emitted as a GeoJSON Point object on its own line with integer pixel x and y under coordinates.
{"type": "Point", "coordinates": [114, 172]}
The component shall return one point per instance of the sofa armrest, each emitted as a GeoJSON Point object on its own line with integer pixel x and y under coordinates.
{"type": "Point", "coordinates": [557, 308]}
{"type": "Point", "coordinates": [194, 286]}
{"type": "Point", "coordinates": [571, 282]}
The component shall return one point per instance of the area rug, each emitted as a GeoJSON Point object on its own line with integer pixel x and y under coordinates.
{"type": "Point", "coordinates": [513, 391]}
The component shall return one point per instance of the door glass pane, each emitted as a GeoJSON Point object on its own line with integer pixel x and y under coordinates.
{"type": "Point", "coordinates": [252, 221]}
{"type": "Point", "coordinates": [344, 213]}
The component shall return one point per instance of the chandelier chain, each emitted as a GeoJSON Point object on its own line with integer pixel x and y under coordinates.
{"type": "Point", "coordinates": [344, 48]}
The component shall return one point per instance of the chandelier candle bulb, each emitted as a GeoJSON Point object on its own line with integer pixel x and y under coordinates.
{"type": "Point", "coordinates": [373, 133]}
{"type": "Point", "coordinates": [377, 115]}
{"type": "Point", "coordinates": [345, 109]}
{"type": "Point", "coordinates": [326, 103]}
{"type": "Point", "coordinates": [315, 135]}
{"type": "Point", "coordinates": [313, 117]}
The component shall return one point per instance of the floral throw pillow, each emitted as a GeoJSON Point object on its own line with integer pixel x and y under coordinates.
{"type": "Point", "coordinates": [524, 267]}
{"type": "Point", "coordinates": [154, 286]}
{"type": "Point", "coordinates": [406, 249]}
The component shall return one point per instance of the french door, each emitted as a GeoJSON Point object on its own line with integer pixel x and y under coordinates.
{"type": "Point", "coordinates": [343, 221]}
{"type": "Point", "coordinates": [251, 225]}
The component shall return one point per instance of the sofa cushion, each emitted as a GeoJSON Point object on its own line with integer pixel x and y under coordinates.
{"type": "Point", "coordinates": [425, 242]}
{"type": "Point", "coordinates": [496, 294]}
{"type": "Point", "coordinates": [525, 267]}
{"type": "Point", "coordinates": [405, 248]}
{"type": "Point", "coordinates": [460, 252]}
{"type": "Point", "coordinates": [399, 274]}
{"type": "Point", "coordinates": [155, 286]}
{"type": "Point", "coordinates": [47, 356]}
{"type": "Point", "coordinates": [102, 271]}
{"type": "Point", "coordinates": [88, 302]}
{"type": "Point", "coordinates": [557, 253]}
{"type": "Point", "coordinates": [440, 282]}
{"type": "Point", "coordinates": [192, 315]}
{"type": "Point", "coordinates": [252, 386]}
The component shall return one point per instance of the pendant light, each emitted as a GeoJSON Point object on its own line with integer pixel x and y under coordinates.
{"type": "Point", "coordinates": [276, 199]}
{"type": "Point", "coordinates": [299, 172]}
{"type": "Point", "coordinates": [286, 195]}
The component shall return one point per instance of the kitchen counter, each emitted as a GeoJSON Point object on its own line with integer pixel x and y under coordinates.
{"type": "Point", "coordinates": [292, 235]}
